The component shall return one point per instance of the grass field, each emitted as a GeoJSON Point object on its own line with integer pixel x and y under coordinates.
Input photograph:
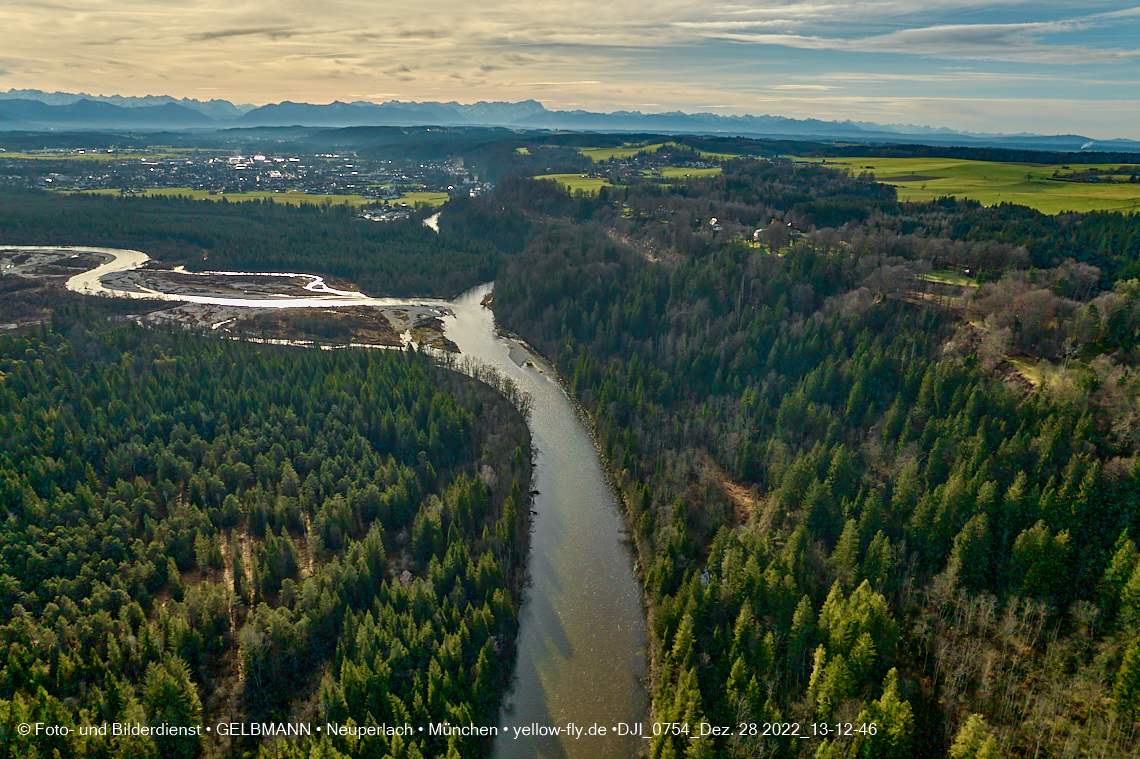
{"type": "Point", "coordinates": [717, 156]}
{"type": "Point", "coordinates": [947, 277]}
{"type": "Point", "coordinates": [578, 182]}
{"type": "Point", "coordinates": [628, 151]}
{"type": "Point", "coordinates": [675, 172]}
{"type": "Point", "coordinates": [625, 151]}
{"type": "Point", "coordinates": [431, 198]}
{"type": "Point", "coordinates": [292, 198]}
{"type": "Point", "coordinates": [1033, 185]}
{"type": "Point", "coordinates": [92, 156]}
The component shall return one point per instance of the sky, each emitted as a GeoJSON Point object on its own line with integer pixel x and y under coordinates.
{"type": "Point", "coordinates": [1007, 66]}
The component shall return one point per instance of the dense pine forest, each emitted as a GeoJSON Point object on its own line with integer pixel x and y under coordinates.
{"type": "Point", "coordinates": [201, 530]}
{"type": "Point", "coordinates": [861, 490]}
{"type": "Point", "coordinates": [395, 259]}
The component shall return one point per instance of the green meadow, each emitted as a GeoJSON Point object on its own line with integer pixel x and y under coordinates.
{"type": "Point", "coordinates": [625, 151]}
{"type": "Point", "coordinates": [716, 156]}
{"type": "Point", "coordinates": [431, 198]}
{"type": "Point", "coordinates": [628, 151]}
{"type": "Point", "coordinates": [92, 156]}
{"type": "Point", "coordinates": [292, 198]}
{"type": "Point", "coordinates": [578, 182]}
{"type": "Point", "coordinates": [1038, 186]}
{"type": "Point", "coordinates": [680, 172]}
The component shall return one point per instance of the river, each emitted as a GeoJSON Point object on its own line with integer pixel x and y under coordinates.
{"type": "Point", "coordinates": [581, 646]}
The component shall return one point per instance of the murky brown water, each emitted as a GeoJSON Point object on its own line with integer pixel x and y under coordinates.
{"type": "Point", "coordinates": [581, 650]}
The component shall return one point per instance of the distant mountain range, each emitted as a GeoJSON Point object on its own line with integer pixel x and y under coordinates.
{"type": "Point", "coordinates": [219, 110]}
{"type": "Point", "coordinates": [34, 110]}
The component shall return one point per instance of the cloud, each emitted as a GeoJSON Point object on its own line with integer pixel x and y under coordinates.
{"type": "Point", "coordinates": [977, 42]}
{"type": "Point", "coordinates": [1019, 42]}
{"type": "Point", "coordinates": [273, 33]}
{"type": "Point", "coordinates": [555, 84]}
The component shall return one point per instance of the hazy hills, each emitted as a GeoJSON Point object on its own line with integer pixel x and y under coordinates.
{"type": "Point", "coordinates": [34, 110]}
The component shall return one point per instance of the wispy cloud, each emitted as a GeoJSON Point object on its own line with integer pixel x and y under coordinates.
{"type": "Point", "coordinates": [273, 33]}
{"type": "Point", "coordinates": [996, 42]}
{"type": "Point", "coordinates": [1020, 42]}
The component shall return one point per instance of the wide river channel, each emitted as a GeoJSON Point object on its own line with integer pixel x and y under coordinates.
{"type": "Point", "coordinates": [581, 648]}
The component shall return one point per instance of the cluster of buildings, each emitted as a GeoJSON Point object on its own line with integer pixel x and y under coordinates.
{"type": "Point", "coordinates": [216, 173]}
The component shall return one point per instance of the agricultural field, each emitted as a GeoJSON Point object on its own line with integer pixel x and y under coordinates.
{"type": "Point", "coordinates": [578, 182]}
{"type": "Point", "coordinates": [431, 198]}
{"type": "Point", "coordinates": [680, 172]}
{"type": "Point", "coordinates": [1039, 186]}
{"type": "Point", "coordinates": [93, 155]}
{"type": "Point", "coordinates": [625, 151]}
{"type": "Point", "coordinates": [716, 156]}
{"type": "Point", "coordinates": [629, 151]}
{"type": "Point", "coordinates": [292, 198]}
